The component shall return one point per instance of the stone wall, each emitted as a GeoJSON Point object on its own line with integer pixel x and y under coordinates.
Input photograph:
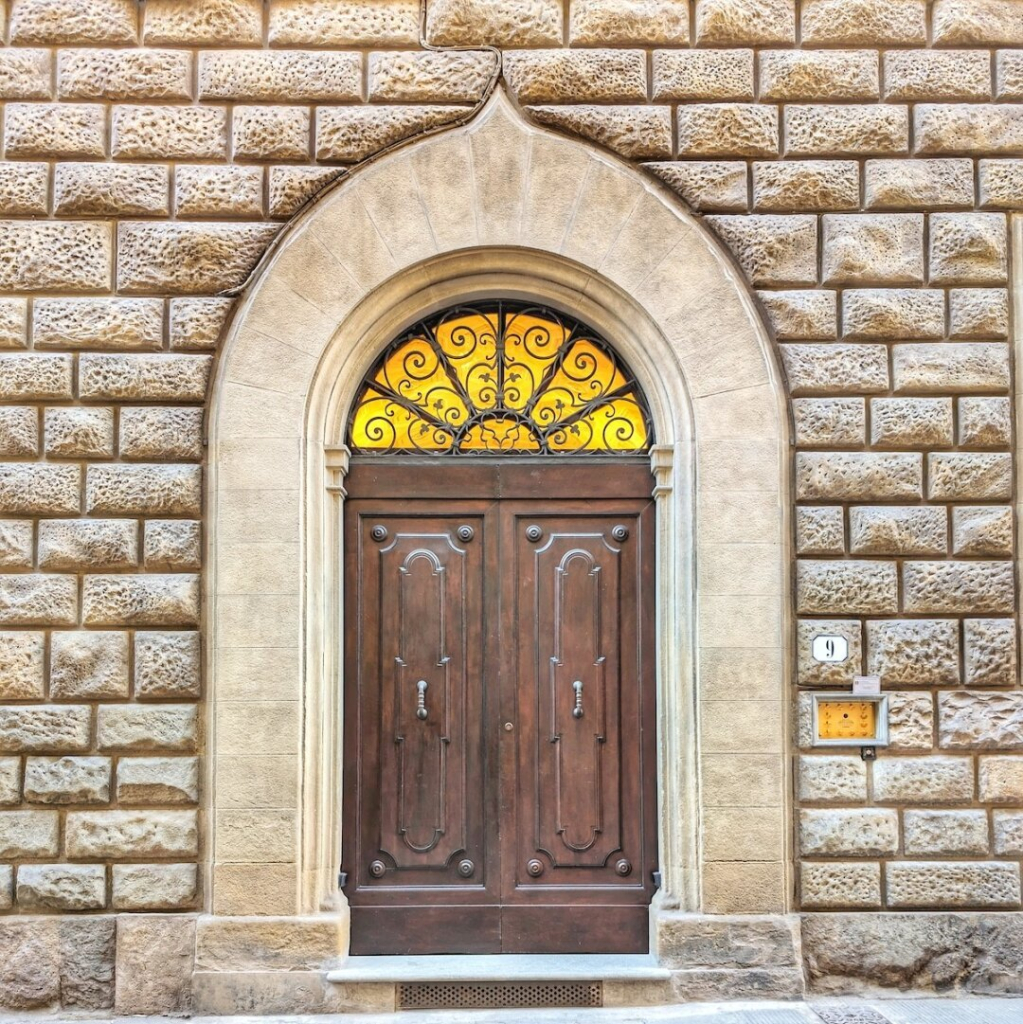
{"type": "Point", "coordinates": [857, 156]}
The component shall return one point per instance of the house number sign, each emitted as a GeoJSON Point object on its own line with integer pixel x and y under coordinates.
{"type": "Point", "coordinates": [830, 648]}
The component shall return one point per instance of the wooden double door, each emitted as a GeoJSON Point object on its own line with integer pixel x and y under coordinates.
{"type": "Point", "coordinates": [500, 725]}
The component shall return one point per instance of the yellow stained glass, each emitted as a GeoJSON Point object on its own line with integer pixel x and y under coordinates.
{"type": "Point", "coordinates": [500, 378]}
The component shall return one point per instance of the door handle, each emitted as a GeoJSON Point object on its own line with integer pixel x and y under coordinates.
{"type": "Point", "coordinates": [577, 711]}
{"type": "Point", "coordinates": [421, 699]}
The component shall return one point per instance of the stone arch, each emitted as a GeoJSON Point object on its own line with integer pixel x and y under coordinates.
{"type": "Point", "coordinates": [497, 206]}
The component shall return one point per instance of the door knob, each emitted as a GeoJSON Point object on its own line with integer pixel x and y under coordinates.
{"type": "Point", "coordinates": [421, 687]}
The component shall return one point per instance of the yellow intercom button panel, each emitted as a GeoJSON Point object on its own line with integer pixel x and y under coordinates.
{"type": "Point", "coordinates": [844, 720]}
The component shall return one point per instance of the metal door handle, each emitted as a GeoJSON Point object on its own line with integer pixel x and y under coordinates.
{"type": "Point", "coordinates": [577, 711]}
{"type": "Point", "coordinates": [421, 699]}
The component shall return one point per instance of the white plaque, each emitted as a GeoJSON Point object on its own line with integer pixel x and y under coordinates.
{"type": "Point", "coordinates": [866, 686]}
{"type": "Point", "coordinates": [830, 648]}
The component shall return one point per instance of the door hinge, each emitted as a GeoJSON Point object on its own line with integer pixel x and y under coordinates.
{"type": "Point", "coordinates": [342, 879]}
{"type": "Point", "coordinates": [656, 876]}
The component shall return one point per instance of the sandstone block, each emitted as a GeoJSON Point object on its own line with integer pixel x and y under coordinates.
{"type": "Point", "coordinates": [354, 23]}
{"type": "Point", "coordinates": [88, 544]}
{"type": "Point", "coordinates": [806, 185]}
{"type": "Point", "coordinates": [874, 248]}
{"type": "Point", "coordinates": [67, 780]}
{"type": "Point", "coordinates": [463, 76]}
{"type": "Point", "coordinates": [801, 315]}
{"type": "Point", "coordinates": [830, 886]}
{"type": "Point", "coordinates": [974, 366]}
{"type": "Point", "coordinates": [61, 130]}
{"type": "Point", "coordinates": [203, 191]}
{"type": "Point", "coordinates": [809, 671]}
{"type": "Point", "coordinates": [146, 378]}
{"type": "Point", "coordinates": [161, 433]}
{"type": "Point", "coordinates": [978, 312]}
{"type": "Point", "coordinates": [982, 530]}
{"type": "Point", "coordinates": [893, 313]}
{"type": "Point", "coordinates": [937, 75]}
{"type": "Point", "coordinates": [897, 530]}
{"type": "Point", "coordinates": [727, 129]}
{"type": "Point", "coordinates": [927, 780]}
{"type": "Point", "coordinates": [272, 133]}
{"type": "Point", "coordinates": [706, 184]}
{"type": "Point", "coordinates": [977, 21]}
{"type": "Point", "coordinates": [946, 833]}
{"type": "Point", "coordinates": [268, 887]}
{"type": "Point", "coordinates": [125, 74]}
{"type": "Point", "coordinates": [349, 134]}
{"type": "Point", "coordinates": [830, 422]}
{"type": "Point", "coordinates": [155, 953]}
{"type": "Point", "coordinates": [914, 652]}
{"type": "Point", "coordinates": [173, 544]}
{"type": "Point", "coordinates": [70, 256]}
{"type": "Point", "coordinates": [150, 600]}
{"type": "Point", "coordinates": [25, 74]}
{"type": "Point", "coordinates": [81, 432]}
{"type": "Point", "coordinates": [858, 476]}
{"type": "Point", "coordinates": [832, 778]}
{"type": "Point", "coordinates": [968, 129]}
{"type": "Point", "coordinates": [21, 665]}
{"type": "Point", "coordinates": [968, 248]}
{"type": "Point", "coordinates": [504, 23]}
{"type": "Point", "coordinates": [10, 788]}
{"type": "Point", "coordinates": [15, 544]}
{"type": "Point", "coordinates": [62, 887]}
{"type": "Point", "coordinates": [1000, 183]}
{"type": "Point", "coordinates": [290, 188]}
{"type": "Point", "coordinates": [169, 133]}
{"type": "Point", "coordinates": [119, 834]}
{"type": "Point", "coordinates": [1000, 779]}
{"type": "Point", "coordinates": [835, 369]}
{"type": "Point", "coordinates": [911, 422]}
{"type": "Point", "coordinates": [144, 489]}
{"type": "Point", "coordinates": [34, 376]}
{"type": "Point", "coordinates": [990, 658]}
{"type": "Point", "coordinates": [772, 250]}
{"type": "Point", "coordinates": [167, 664]}
{"type": "Point", "coordinates": [157, 780]}
{"type": "Point", "coordinates": [969, 476]}
{"type": "Point", "coordinates": [1008, 830]}
{"type": "Point", "coordinates": [58, 22]}
{"type": "Point", "coordinates": [703, 75]}
{"type": "Point", "coordinates": [204, 23]}
{"type": "Point", "coordinates": [811, 75]}
{"type": "Point", "coordinates": [28, 834]}
{"type": "Point", "coordinates": [106, 190]}
{"type": "Point", "coordinates": [851, 130]}
{"type": "Point", "coordinates": [820, 530]}
{"type": "Point", "coordinates": [268, 76]}
{"type": "Point", "coordinates": [918, 184]}
{"type": "Point", "coordinates": [634, 132]}
{"type": "Point", "coordinates": [197, 323]}
{"type": "Point", "coordinates": [910, 721]}
{"type": "Point", "coordinates": [154, 886]}
{"type": "Point", "coordinates": [97, 323]}
{"type": "Point", "coordinates": [745, 22]}
{"type": "Point", "coordinates": [38, 600]}
{"type": "Point", "coordinates": [952, 884]}
{"type": "Point", "coordinates": [846, 587]}
{"type": "Point", "coordinates": [621, 22]}
{"type": "Point", "coordinates": [13, 323]}
{"type": "Point", "coordinates": [39, 489]}
{"type": "Point", "coordinates": [19, 432]}
{"type": "Point", "coordinates": [88, 665]}
{"type": "Point", "coordinates": [981, 721]}
{"type": "Point", "coordinates": [848, 832]}
{"type": "Point", "coordinates": [168, 727]}
{"type": "Point", "coordinates": [24, 188]}
{"type": "Point", "coordinates": [864, 22]}
{"type": "Point", "coordinates": [967, 587]}
{"type": "Point", "coordinates": [45, 729]}
{"type": "Point", "coordinates": [247, 835]}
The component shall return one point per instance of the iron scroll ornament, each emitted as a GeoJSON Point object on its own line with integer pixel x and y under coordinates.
{"type": "Point", "coordinates": [500, 378]}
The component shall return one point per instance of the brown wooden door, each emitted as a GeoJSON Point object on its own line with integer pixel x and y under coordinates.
{"type": "Point", "coordinates": [499, 708]}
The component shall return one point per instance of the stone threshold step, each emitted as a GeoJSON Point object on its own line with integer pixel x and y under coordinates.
{"type": "Point", "coordinates": [499, 967]}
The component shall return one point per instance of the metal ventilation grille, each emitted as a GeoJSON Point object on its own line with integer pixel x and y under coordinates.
{"type": "Point", "coordinates": [486, 995]}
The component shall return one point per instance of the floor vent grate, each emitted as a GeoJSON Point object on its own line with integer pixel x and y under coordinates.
{"type": "Point", "coordinates": [493, 995]}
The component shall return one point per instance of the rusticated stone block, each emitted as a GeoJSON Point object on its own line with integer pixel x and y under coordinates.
{"type": "Point", "coordinates": [10, 789]}
{"type": "Point", "coordinates": [15, 544]}
{"type": "Point", "coordinates": [835, 369]}
{"type": "Point", "coordinates": [832, 778]}
{"type": "Point", "coordinates": [621, 22]}
{"type": "Point", "coordinates": [353, 23]}
{"type": "Point", "coordinates": [56, 22]}
{"type": "Point", "coordinates": [892, 313]}
{"type": "Point", "coordinates": [291, 188]}
{"type": "Point", "coordinates": [946, 833]}
{"type": "Point", "coordinates": [97, 323]}
{"type": "Point", "coordinates": [145, 378]}
{"type": "Point", "coordinates": [204, 23]}
{"type": "Point", "coordinates": [197, 323]}
{"type": "Point", "coordinates": [19, 432]}
{"type": "Point", "coordinates": [106, 190]}
{"type": "Point", "coordinates": [923, 780]}
{"type": "Point", "coordinates": [911, 422]}
{"type": "Point", "coordinates": [169, 133]}
{"type": "Point", "coordinates": [463, 76]}
{"type": "Point", "coordinates": [848, 832]}
{"type": "Point", "coordinates": [62, 887]}
{"type": "Point", "coordinates": [203, 191]}
{"type": "Point", "coordinates": [118, 834]}
{"type": "Point", "coordinates": [918, 184]}
{"type": "Point", "coordinates": [809, 671]}
{"type": "Point", "coordinates": [268, 76]}
{"type": "Point", "coordinates": [914, 652]}
{"type": "Point", "coordinates": [88, 665]}
{"type": "Point", "coordinates": [846, 587]}
{"type": "Point", "coordinates": [158, 780]}
{"type": "Point", "coordinates": [910, 721]}
{"type": "Point", "coordinates": [147, 489]}
{"type": "Point", "coordinates": [981, 530]}
{"type": "Point", "coordinates": [772, 250]}
{"type": "Point", "coordinates": [61, 130]}
{"type": "Point", "coordinates": [1008, 830]}
{"type": "Point", "coordinates": [13, 323]}
{"type": "Point", "coordinates": [67, 780]}
{"type": "Point", "coordinates": [812, 75]}
{"type": "Point", "coordinates": [154, 886]}
{"type": "Point", "coordinates": [1000, 779]}
{"type": "Point", "coordinates": [55, 256]}
{"type": "Point", "coordinates": [169, 727]}
{"type": "Point", "coordinates": [745, 22]}
{"type": "Point", "coordinates": [820, 530]}
{"type": "Point", "coordinates": [726, 129]}
{"type": "Point", "coordinates": [874, 248]}
{"type": "Point", "coordinates": [273, 133]}
{"type": "Point", "coordinates": [832, 886]}
{"type": "Point", "coordinates": [173, 544]}
{"type": "Point", "coordinates": [851, 130]}
{"type": "Point", "coordinates": [981, 721]}
{"type": "Point", "coordinates": [801, 315]}
{"type": "Point", "coordinates": [858, 476]}
{"type": "Point", "coordinates": [897, 530]}
{"type": "Point", "coordinates": [80, 432]}
{"type": "Point", "coordinates": [1000, 183]}
{"type": "Point", "coordinates": [703, 75]}
{"type": "Point", "coordinates": [829, 422]}
{"type": "Point", "coordinates": [937, 75]}
{"type": "Point", "coordinates": [500, 23]}
{"type": "Point", "coordinates": [978, 312]}
{"type": "Point", "coordinates": [42, 729]}
{"type": "Point", "coordinates": [39, 489]}
{"type": "Point", "coordinates": [990, 658]}
{"type": "Point", "coordinates": [24, 188]}
{"type": "Point", "coordinates": [969, 476]}
{"type": "Point", "coordinates": [125, 74]}
{"type": "Point", "coordinates": [706, 184]}
{"type": "Point", "coordinates": [950, 587]}
{"type": "Point", "coordinates": [971, 129]}
{"type": "Point", "coordinates": [167, 664]}
{"type": "Point", "coordinates": [21, 665]}
{"type": "Point", "coordinates": [25, 376]}
{"type": "Point", "coordinates": [38, 600]}
{"type": "Point", "coordinates": [28, 834]}
{"type": "Point", "coordinates": [151, 600]}
{"type": "Point", "coordinates": [349, 134]}
{"type": "Point", "coordinates": [973, 366]}
{"type": "Point", "coordinates": [969, 22]}
{"type": "Point", "coordinates": [88, 544]}
{"type": "Point", "coordinates": [952, 884]}
{"type": "Point", "coordinates": [155, 959]}
{"type": "Point", "coordinates": [161, 433]}
{"type": "Point", "coordinates": [806, 185]}
{"type": "Point", "coordinates": [25, 74]}
{"type": "Point", "coordinates": [634, 132]}
{"type": "Point", "coordinates": [864, 22]}
{"type": "Point", "coordinates": [968, 248]}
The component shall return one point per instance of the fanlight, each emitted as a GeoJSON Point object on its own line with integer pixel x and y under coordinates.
{"type": "Point", "coordinates": [500, 378]}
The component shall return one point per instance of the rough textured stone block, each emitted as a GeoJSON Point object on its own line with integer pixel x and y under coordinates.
{"type": "Point", "coordinates": [88, 544]}
{"type": "Point", "coordinates": [170, 727]}
{"type": "Point", "coordinates": [1008, 830]}
{"type": "Point", "coordinates": [62, 130]}
{"type": "Point", "coordinates": [910, 721]}
{"type": "Point", "coordinates": [806, 185]}
{"type": "Point", "coordinates": [266, 76]}
{"type": "Point", "coordinates": [273, 133]}
{"type": "Point", "coordinates": [204, 23]}
{"type": "Point", "coordinates": [169, 133]}
{"type": "Point", "coordinates": [173, 544]}
{"type": "Point", "coordinates": [19, 432]}
{"type": "Point", "coordinates": [832, 778]}
{"type": "Point", "coordinates": [158, 780]}
{"type": "Point", "coordinates": [39, 489]}
{"type": "Point", "coordinates": [990, 652]}
{"type": "Point", "coordinates": [25, 74]}
{"type": "Point", "coordinates": [21, 665]}
{"type": "Point", "coordinates": [151, 600]}
{"type": "Point", "coordinates": [966, 476]}
{"type": "Point", "coordinates": [148, 489]}
{"type": "Point", "coordinates": [937, 75]}
{"type": "Point", "coordinates": [971, 129]}
{"type": "Point", "coordinates": [852, 130]}
{"type": "Point", "coordinates": [161, 433]}
{"type": "Point", "coordinates": [28, 834]}
{"type": "Point", "coordinates": [353, 23]}
{"type": "Point", "coordinates": [928, 780]}
{"type": "Point", "coordinates": [45, 729]}
{"type": "Point", "coordinates": [809, 671]}
{"type": "Point", "coordinates": [197, 323]}
{"type": "Point", "coordinates": [125, 75]}
{"type": "Point", "coordinates": [918, 184]}
{"type": "Point", "coordinates": [745, 22]}
{"type": "Point", "coordinates": [88, 665]}
{"type": "Point", "coordinates": [703, 75]}
{"type": "Point", "coordinates": [858, 476]}
{"type": "Point", "coordinates": [914, 652]}
{"type": "Point", "coordinates": [1000, 779]}
{"type": "Point", "coordinates": [978, 312]}
{"type": "Point", "coordinates": [146, 378]}
{"type": "Point", "coordinates": [893, 313]}
{"type": "Point", "coordinates": [119, 834]}
{"type": "Point", "coordinates": [290, 188]}
{"type": "Point", "coordinates": [981, 721]}
{"type": "Point", "coordinates": [34, 376]}
{"type": "Point", "coordinates": [974, 366]}
{"type": "Point", "coordinates": [1001, 183]}
{"type": "Point", "coordinates": [349, 134]}
{"type": "Point", "coordinates": [835, 369]}
{"type": "Point", "coordinates": [727, 129]}
{"type": "Point", "coordinates": [848, 832]}
{"type": "Point", "coordinates": [15, 544]}
{"type": "Point", "coordinates": [10, 786]}
{"type": "Point", "coordinates": [463, 76]}
{"type": "Point", "coordinates": [97, 323]}
{"type": "Point", "coordinates": [946, 833]}
{"type": "Point", "coordinates": [167, 664]}
{"type": "Point", "coordinates": [819, 75]}
{"type": "Point", "coordinates": [968, 22]}
{"type": "Point", "coordinates": [62, 887]}
{"type": "Point", "coordinates": [952, 884]}
{"type": "Point", "coordinates": [968, 248]}
{"type": "Point", "coordinates": [801, 315]}
{"type": "Point", "coordinates": [55, 256]}
{"type": "Point", "coordinates": [634, 132]}
{"type": "Point", "coordinates": [24, 188]}
{"type": "Point", "coordinates": [829, 422]}
{"type": "Point", "coordinates": [68, 21]}
{"type": "Point", "coordinates": [500, 23]}
{"type": "Point", "coordinates": [982, 530]}
{"type": "Point", "coordinates": [820, 530]}
{"type": "Point", "coordinates": [204, 191]}
{"type": "Point", "coordinates": [67, 780]}
{"type": "Point", "coordinates": [13, 323]}
{"type": "Point", "coordinates": [846, 587]}
{"type": "Point", "coordinates": [966, 587]}
{"type": "Point", "coordinates": [155, 958]}
{"type": "Point", "coordinates": [911, 422]}
{"type": "Point", "coordinates": [864, 22]}
{"type": "Point", "coordinates": [706, 184]}
{"type": "Point", "coordinates": [80, 432]}
{"type": "Point", "coordinates": [621, 22]}
{"type": "Point", "coordinates": [772, 250]}
{"type": "Point", "coordinates": [154, 886]}
{"type": "Point", "coordinates": [38, 600]}
{"type": "Point", "coordinates": [897, 530]}
{"type": "Point", "coordinates": [104, 190]}
{"type": "Point", "coordinates": [874, 248]}
{"type": "Point", "coordinates": [831, 886]}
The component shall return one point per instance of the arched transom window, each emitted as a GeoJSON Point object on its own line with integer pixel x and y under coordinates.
{"type": "Point", "coordinates": [500, 378]}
